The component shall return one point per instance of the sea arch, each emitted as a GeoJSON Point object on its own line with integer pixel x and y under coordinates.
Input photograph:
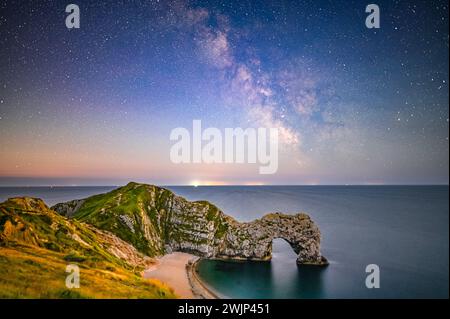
{"type": "Point", "coordinates": [253, 240]}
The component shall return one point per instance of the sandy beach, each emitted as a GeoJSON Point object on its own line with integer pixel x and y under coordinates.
{"type": "Point", "coordinates": [171, 269]}
{"type": "Point", "coordinates": [176, 270]}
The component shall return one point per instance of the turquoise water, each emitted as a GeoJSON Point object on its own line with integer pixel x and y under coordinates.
{"type": "Point", "coordinates": [402, 229]}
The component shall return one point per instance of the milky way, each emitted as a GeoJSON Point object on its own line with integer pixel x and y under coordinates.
{"type": "Point", "coordinates": [96, 105]}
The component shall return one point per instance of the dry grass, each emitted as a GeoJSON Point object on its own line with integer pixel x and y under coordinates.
{"type": "Point", "coordinates": [30, 272]}
{"type": "Point", "coordinates": [36, 245]}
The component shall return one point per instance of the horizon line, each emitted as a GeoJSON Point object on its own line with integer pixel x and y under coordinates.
{"type": "Point", "coordinates": [230, 185]}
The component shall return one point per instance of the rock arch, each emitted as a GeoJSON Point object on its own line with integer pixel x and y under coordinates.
{"type": "Point", "coordinates": [253, 240]}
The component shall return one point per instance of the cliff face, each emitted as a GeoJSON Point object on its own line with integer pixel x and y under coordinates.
{"type": "Point", "coordinates": [156, 221]}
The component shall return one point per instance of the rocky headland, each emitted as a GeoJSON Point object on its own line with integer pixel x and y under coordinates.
{"type": "Point", "coordinates": [156, 221]}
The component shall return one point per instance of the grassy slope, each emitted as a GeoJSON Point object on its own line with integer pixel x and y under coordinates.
{"type": "Point", "coordinates": [135, 201]}
{"type": "Point", "coordinates": [36, 244]}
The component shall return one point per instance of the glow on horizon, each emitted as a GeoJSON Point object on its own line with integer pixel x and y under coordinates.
{"type": "Point", "coordinates": [223, 183]}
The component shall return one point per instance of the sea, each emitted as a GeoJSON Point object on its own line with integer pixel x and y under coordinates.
{"type": "Point", "coordinates": [402, 230]}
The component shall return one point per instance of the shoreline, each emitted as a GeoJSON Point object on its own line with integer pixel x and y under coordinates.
{"type": "Point", "coordinates": [179, 271]}
{"type": "Point", "coordinates": [199, 287]}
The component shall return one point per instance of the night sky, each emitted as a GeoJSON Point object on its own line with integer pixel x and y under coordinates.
{"type": "Point", "coordinates": [96, 105]}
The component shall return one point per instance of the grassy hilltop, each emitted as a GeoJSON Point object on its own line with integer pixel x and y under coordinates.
{"type": "Point", "coordinates": [36, 245]}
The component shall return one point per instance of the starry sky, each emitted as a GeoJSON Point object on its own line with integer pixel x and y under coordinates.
{"type": "Point", "coordinates": [96, 105]}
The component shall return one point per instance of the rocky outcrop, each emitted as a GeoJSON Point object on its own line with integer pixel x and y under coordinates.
{"type": "Point", "coordinates": [157, 221]}
{"type": "Point", "coordinates": [70, 207]}
{"type": "Point", "coordinates": [254, 240]}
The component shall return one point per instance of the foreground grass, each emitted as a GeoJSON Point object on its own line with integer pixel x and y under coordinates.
{"type": "Point", "coordinates": [36, 245]}
{"type": "Point", "coordinates": [30, 272]}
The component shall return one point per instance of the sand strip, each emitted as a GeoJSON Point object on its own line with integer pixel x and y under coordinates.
{"type": "Point", "coordinates": [178, 271]}
{"type": "Point", "coordinates": [199, 288]}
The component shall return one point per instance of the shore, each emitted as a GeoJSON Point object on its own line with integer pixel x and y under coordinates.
{"type": "Point", "coordinates": [178, 271]}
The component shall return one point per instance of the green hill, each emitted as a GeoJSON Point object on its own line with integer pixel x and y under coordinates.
{"type": "Point", "coordinates": [36, 245]}
{"type": "Point", "coordinates": [153, 219]}
{"type": "Point", "coordinates": [156, 221]}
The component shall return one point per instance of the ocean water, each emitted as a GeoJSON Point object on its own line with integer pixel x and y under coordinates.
{"type": "Point", "coordinates": [402, 229]}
